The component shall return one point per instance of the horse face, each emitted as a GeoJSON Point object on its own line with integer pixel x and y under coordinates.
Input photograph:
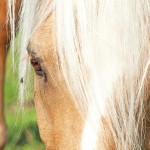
{"type": "Point", "coordinates": [59, 121]}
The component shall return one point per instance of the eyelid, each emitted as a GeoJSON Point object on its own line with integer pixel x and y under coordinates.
{"type": "Point", "coordinates": [35, 62]}
{"type": "Point", "coordinates": [43, 74]}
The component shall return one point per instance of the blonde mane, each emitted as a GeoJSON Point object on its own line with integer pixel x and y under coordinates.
{"type": "Point", "coordinates": [104, 53]}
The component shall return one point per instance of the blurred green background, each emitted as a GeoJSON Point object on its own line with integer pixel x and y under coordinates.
{"type": "Point", "coordinates": [21, 122]}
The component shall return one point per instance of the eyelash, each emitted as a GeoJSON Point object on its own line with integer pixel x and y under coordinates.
{"type": "Point", "coordinates": [35, 62]}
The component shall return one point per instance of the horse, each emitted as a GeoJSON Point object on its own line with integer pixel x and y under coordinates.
{"type": "Point", "coordinates": [92, 77]}
{"type": "Point", "coordinates": [4, 42]}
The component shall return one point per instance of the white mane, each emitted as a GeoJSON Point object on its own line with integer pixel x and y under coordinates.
{"type": "Point", "coordinates": [105, 58]}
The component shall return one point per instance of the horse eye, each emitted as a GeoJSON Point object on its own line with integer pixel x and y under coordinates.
{"type": "Point", "coordinates": [35, 62]}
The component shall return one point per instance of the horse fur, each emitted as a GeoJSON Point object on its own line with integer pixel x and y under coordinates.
{"type": "Point", "coordinates": [103, 50]}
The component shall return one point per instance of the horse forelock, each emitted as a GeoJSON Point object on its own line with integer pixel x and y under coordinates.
{"type": "Point", "coordinates": [103, 49]}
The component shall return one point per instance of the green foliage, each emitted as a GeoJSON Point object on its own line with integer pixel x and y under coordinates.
{"type": "Point", "coordinates": [21, 122]}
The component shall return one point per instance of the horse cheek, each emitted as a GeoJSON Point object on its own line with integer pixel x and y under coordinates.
{"type": "Point", "coordinates": [43, 117]}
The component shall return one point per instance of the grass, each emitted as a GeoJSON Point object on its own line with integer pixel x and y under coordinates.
{"type": "Point", "coordinates": [22, 126]}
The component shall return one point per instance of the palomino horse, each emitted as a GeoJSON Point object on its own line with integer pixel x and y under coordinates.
{"type": "Point", "coordinates": [91, 60]}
